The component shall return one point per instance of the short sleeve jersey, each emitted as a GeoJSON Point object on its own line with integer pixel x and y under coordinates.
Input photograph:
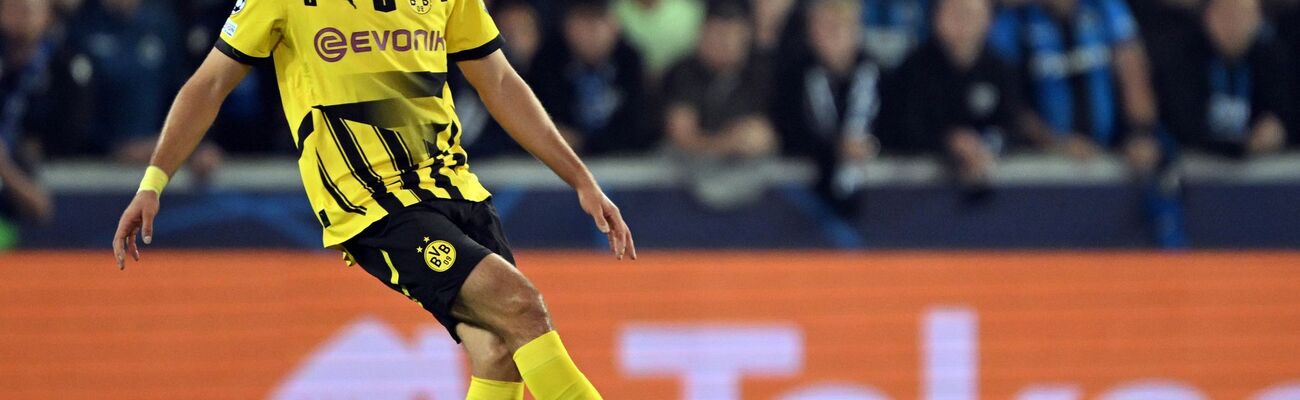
{"type": "Point", "coordinates": [363, 83]}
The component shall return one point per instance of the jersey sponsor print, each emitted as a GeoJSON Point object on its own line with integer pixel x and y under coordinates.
{"type": "Point", "coordinates": [363, 85]}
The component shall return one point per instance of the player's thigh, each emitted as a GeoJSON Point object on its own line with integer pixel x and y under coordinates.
{"type": "Point", "coordinates": [498, 297]}
{"type": "Point", "coordinates": [489, 356]}
{"type": "Point", "coordinates": [422, 254]}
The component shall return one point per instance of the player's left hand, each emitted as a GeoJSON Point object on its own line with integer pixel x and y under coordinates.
{"type": "Point", "coordinates": [609, 220]}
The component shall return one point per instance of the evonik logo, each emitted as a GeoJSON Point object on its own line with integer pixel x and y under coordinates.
{"type": "Point", "coordinates": [332, 44]}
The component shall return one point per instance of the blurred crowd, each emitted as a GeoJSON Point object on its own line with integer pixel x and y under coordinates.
{"type": "Point", "coordinates": [724, 85]}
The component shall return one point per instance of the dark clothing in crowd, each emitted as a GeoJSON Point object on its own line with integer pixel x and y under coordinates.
{"type": "Point", "coordinates": [29, 109]}
{"type": "Point", "coordinates": [201, 21]}
{"type": "Point", "coordinates": [604, 104]}
{"type": "Point", "coordinates": [791, 48]}
{"type": "Point", "coordinates": [136, 62]}
{"type": "Point", "coordinates": [29, 95]}
{"type": "Point", "coordinates": [1289, 35]}
{"type": "Point", "coordinates": [719, 100]}
{"type": "Point", "coordinates": [819, 110]}
{"type": "Point", "coordinates": [42, 101]}
{"type": "Point", "coordinates": [1068, 63]}
{"type": "Point", "coordinates": [1163, 25]}
{"type": "Point", "coordinates": [930, 95]}
{"type": "Point", "coordinates": [1217, 101]}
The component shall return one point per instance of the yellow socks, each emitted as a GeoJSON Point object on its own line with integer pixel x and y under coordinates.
{"type": "Point", "coordinates": [487, 389]}
{"type": "Point", "coordinates": [550, 373]}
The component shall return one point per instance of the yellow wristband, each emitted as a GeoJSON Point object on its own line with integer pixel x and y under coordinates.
{"type": "Point", "coordinates": [155, 179]}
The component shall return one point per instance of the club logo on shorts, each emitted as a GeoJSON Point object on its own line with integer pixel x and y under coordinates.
{"type": "Point", "coordinates": [421, 6]}
{"type": "Point", "coordinates": [239, 6]}
{"type": "Point", "coordinates": [438, 254]}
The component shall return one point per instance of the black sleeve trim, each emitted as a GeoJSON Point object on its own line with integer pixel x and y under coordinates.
{"type": "Point", "coordinates": [478, 52]}
{"type": "Point", "coordinates": [235, 54]}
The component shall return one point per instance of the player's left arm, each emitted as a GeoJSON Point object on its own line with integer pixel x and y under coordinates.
{"type": "Point", "coordinates": [513, 104]}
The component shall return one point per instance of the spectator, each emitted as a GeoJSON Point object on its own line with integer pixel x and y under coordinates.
{"type": "Point", "coordinates": [954, 97]}
{"type": "Point", "coordinates": [27, 49]}
{"type": "Point", "coordinates": [716, 104]}
{"type": "Point", "coordinates": [590, 80]}
{"type": "Point", "coordinates": [1087, 72]}
{"type": "Point", "coordinates": [133, 50]}
{"type": "Point", "coordinates": [1231, 87]}
{"type": "Point", "coordinates": [717, 98]}
{"type": "Point", "coordinates": [894, 28]}
{"type": "Point", "coordinates": [830, 104]}
{"type": "Point", "coordinates": [1090, 84]}
{"type": "Point", "coordinates": [663, 31]}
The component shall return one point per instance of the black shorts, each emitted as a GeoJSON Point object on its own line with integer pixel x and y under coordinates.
{"type": "Point", "coordinates": [427, 250]}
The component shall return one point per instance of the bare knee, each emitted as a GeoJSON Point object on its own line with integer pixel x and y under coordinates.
{"type": "Point", "coordinates": [524, 317]}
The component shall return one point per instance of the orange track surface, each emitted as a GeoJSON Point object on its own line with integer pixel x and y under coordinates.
{"type": "Point", "coordinates": [235, 324]}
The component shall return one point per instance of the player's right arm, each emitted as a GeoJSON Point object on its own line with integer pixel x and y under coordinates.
{"type": "Point", "coordinates": [191, 115]}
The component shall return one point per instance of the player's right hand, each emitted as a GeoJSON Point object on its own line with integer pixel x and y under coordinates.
{"type": "Point", "coordinates": [137, 219]}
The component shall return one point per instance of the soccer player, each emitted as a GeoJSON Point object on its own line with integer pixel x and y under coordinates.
{"type": "Point", "coordinates": [363, 85]}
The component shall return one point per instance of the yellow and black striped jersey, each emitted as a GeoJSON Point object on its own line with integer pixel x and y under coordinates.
{"type": "Point", "coordinates": [364, 88]}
